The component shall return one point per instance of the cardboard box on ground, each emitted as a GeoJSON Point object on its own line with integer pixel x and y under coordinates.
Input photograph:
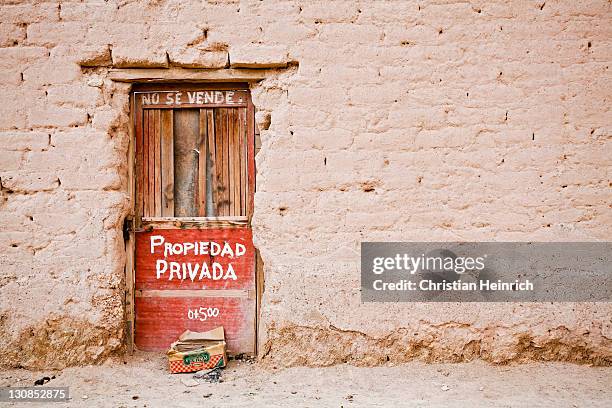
{"type": "Point", "coordinates": [194, 351]}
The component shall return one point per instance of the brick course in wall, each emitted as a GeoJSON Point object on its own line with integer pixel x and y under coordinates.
{"type": "Point", "coordinates": [379, 120]}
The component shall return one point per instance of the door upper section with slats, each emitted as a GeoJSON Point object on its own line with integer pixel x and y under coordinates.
{"type": "Point", "coordinates": [192, 160]}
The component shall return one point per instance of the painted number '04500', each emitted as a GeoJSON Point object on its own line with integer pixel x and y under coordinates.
{"type": "Point", "coordinates": [203, 313]}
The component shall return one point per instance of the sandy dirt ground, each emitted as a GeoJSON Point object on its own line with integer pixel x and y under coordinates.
{"type": "Point", "coordinates": [143, 381]}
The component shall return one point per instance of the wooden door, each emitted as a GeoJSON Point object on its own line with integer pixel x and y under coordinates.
{"type": "Point", "coordinates": [194, 183]}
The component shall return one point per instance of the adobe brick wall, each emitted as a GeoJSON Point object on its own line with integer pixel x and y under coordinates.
{"type": "Point", "coordinates": [403, 121]}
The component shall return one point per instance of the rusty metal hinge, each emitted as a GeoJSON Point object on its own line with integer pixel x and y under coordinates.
{"type": "Point", "coordinates": [128, 228]}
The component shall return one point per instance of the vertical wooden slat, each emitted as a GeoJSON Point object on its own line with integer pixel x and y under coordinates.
{"type": "Point", "coordinates": [239, 163]}
{"type": "Point", "coordinates": [167, 162]}
{"type": "Point", "coordinates": [145, 165]}
{"type": "Point", "coordinates": [151, 197]}
{"type": "Point", "coordinates": [230, 161]}
{"type": "Point", "coordinates": [157, 164]}
{"type": "Point", "coordinates": [219, 160]}
{"type": "Point", "coordinates": [186, 124]}
{"type": "Point", "coordinates": [235, 171]}
{"type": "Point", "coordinates": [212, 152]}
{"type": "Point", "coordinates": [226, 166]}
{"type": "Point", "coordinates": [238, 181]}
{"type": "Point", "coordinates": [236, 162]}
{"type": "Point", "coordinates": [147, 201]}
{"type": "Point", "coordinates": [243, 161]}
{"type": "Point", "coordinates": [224, 170]}
{"type": "Point", "coordinates": [138, 114]}
{"type": "Point", "coordinates": [202, 142]}
{"type": "Point", "coordinates": [228, 148]}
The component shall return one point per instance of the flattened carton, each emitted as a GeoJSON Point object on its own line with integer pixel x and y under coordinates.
{"type": "Point", "coordinates": [195, 351]}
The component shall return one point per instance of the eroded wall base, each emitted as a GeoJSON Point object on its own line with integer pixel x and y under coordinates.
{"type": "Point", "coordinates": [308, 346]}
{"type": "Point", "coordinates": [59, 342]}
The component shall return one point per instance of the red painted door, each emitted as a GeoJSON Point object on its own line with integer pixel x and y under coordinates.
{"type": "Point", "coordinates": [194, 183]}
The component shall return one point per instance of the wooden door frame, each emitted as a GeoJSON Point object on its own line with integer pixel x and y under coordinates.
{"type": "Point", "coordinates": [131, 223]}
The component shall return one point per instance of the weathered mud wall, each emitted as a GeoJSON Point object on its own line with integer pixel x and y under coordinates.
{"type": "Point", "coordinates": [393, 121]}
